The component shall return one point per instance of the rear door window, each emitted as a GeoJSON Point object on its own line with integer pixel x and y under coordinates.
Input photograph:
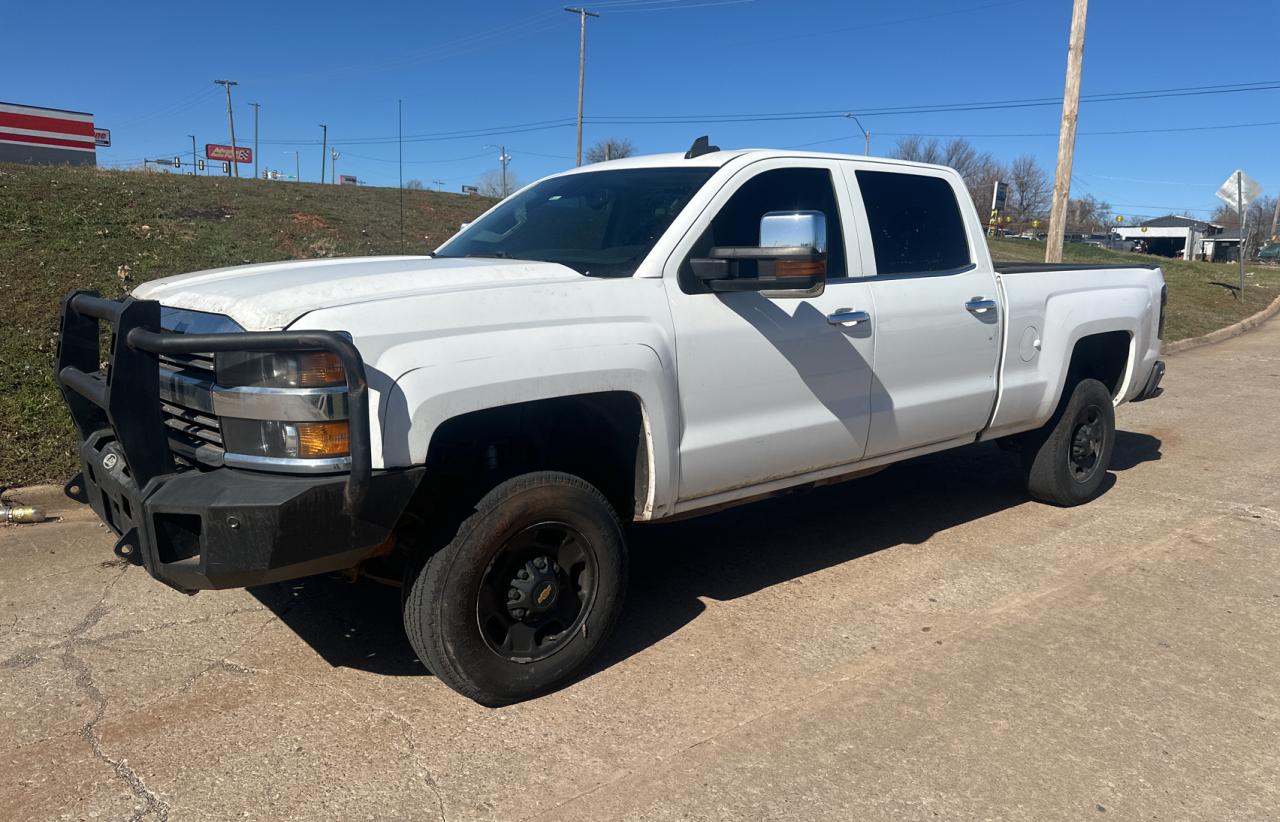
{"type": "Point", "coordinates": [915, 223]}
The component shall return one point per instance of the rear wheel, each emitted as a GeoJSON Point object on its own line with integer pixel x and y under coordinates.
{"type": "Point", "coordinates": [524, 595]}
{"type": "Point", "coordinates": [1067, 460]}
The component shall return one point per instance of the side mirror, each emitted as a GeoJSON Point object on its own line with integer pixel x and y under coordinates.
{"type": "Point", "coordinates": [791, 257]}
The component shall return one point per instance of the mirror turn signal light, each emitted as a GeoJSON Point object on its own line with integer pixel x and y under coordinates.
{"type": "Point", "coordinates": [799, 268]}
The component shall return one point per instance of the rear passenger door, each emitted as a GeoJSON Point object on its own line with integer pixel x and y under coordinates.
{"type": "Point", "coordinates": [937, 311]}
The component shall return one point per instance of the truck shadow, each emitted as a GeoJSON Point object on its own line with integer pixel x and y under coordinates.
{"type": "Point", "coordinates": [720, 556]}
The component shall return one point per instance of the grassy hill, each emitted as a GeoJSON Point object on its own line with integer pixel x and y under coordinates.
{"type": "Point", "coordinates": [63, 228]}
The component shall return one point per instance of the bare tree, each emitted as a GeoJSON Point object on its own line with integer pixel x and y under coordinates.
{"type": "Point", "coordinates": [1030, 190]}
{"type": "Point", "coordinates": [414, 185]}
{"type": "Point", "coordinates": [492, 183]}
{"type": "Point", "coordinates": [614, 148]}
{"type": "Point", "coordinates": [1088, 215]}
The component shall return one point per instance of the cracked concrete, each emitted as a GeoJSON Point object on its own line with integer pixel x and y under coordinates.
{"type": "Point", "coordinates": [921, 643]}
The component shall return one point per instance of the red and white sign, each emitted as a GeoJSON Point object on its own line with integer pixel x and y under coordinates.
{"type": "Point", "coordinates": [46, 127]}
{"type": "Point", "coordinates": [240, 154]}
{"type": "Point", "coordinates": [102, 136]}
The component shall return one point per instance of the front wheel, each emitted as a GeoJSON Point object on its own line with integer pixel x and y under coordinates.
{"type": "Point", "coordinates": [1068, 460]}
{"type": "Point", "coordinates": [524, 595]}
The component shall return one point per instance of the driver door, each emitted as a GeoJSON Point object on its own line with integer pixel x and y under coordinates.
{"type": "Point", "coordinates": [772, 386]}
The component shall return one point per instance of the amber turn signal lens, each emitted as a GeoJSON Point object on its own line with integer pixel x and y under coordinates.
{"type": "Point", "coordinates": [799, 268]}
{"type": "Point", "coordinates": [323, 439]}
{"type": "Point", "coordinates": [320, 368]}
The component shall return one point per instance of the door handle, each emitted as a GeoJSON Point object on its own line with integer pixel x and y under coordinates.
{"type": "Point", "coordinates": [847, 316]}
{"type": "Point", "coordinates": [980, 305]}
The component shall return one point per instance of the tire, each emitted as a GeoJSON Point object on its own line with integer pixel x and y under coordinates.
{"type": "Point", "coordinates": [1066, 463]}
{"type": "Point", "coordinates": [525, 594]}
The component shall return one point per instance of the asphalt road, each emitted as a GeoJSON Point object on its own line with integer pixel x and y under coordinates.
{"type": "Point", "coordinates": [924, 643]}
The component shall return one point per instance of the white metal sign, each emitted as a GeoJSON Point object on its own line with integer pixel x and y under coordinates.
{"type": "Point", "coordinates": [1239, 190]}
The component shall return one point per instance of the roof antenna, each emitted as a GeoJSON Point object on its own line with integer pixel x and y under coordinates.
{"type": "Point", "coordinates": [700, 146]}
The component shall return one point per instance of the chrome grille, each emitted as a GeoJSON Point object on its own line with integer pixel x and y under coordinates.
{"type": "Point", "coordinates": [195, 435]}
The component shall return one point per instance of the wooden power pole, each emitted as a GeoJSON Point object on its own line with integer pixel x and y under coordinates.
{"type": "Point", "coordinates": [231, 122]}
{"type": "Point", "coordinates": [1067, 134]}
{"type": "Point", "coordinates": [583, 14]}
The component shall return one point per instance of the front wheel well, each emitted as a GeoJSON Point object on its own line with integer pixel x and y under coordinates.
{"type": "Point", "coordinates": [1103, 357]}
{"type": "Point", "coordinates": [598, 437]}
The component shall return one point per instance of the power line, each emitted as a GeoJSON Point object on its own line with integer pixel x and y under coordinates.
{"type": "Point", "coordinates": [543, 125]}
{"type": "Point", "coordinates": [934, 108]}
{"type": "Point", "coordinates": [846, 137]}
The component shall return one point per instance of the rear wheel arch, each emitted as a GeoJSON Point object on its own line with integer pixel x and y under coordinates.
{"type": "Point", "coordinates": [1104, 356]}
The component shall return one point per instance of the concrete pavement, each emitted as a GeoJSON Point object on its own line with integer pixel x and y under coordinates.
{"type": "Point", "coordinates": [924, 643]}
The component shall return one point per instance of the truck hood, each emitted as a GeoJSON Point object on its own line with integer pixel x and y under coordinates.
{"type": "Point", "coordinates": [274, 295]}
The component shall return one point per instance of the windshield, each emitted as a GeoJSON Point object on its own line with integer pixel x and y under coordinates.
{"type": "Point", "coordinates": [599, 223]}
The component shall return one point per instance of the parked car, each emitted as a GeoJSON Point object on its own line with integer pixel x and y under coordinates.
{"type": "Point", "coordinates": [631, 341]}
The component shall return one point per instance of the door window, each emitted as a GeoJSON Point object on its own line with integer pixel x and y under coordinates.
{"type": "Point", "coordinates": [781, 189]}
{"type": "Point", "coordinates": [915, 223]}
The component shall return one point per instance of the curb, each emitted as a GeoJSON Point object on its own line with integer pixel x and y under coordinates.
{"type": "Point", "coordinates": [1234, 330]}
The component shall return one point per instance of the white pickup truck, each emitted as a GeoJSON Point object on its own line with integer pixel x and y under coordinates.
{"type": "Point", "coordinates": [629, 341]}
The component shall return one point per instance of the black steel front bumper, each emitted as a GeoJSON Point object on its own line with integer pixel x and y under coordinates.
{"type": "Point", "coordinates": [220, 528]}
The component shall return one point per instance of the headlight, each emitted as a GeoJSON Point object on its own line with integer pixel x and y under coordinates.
{"type": "Point", "coordinates": [301, 369]}
{"type": "Point", "coordinates": [285, 406]}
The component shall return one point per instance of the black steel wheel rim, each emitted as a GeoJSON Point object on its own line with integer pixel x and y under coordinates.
{"type": "Point", "coordinates": [1087, 438]}
{"type": "Point", "coordinates": [537, 592]}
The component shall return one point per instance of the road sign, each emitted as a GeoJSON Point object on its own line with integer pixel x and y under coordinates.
{"type": "Point", "coordinates": [200, 164]}
{"type": "Point", "coordinates": [226, 168]}
{"type": "Point", "coordinates": [999, 196]}
{"type": "Point", "coordinates": [1239, 190]}
{"type": "Point", "coordinates": [240, 154]}
{"type": "Point", "coordinates": [102, 137]}
{"type": "Point", "coordinates": [177, 162]}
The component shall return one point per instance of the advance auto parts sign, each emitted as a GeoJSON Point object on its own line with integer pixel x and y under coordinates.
{"type": "Point", "coordinates": [240, 154]}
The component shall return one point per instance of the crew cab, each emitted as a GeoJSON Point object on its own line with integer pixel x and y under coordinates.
{"type": "Point", "coordinates": [625, 342]}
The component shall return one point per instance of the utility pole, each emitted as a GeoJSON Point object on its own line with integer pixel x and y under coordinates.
{"type": "Point", "coordinates": [1275, 220]}
{"type": "Point", "coordinates": [333, 165]}
{"type": "Point", "coordinates": [583, 14]}
{"type": "Point", "coordinates": [400, 143]}
{"type": "Point", "coordinates": [1067, 134]}
{"type": "Point", "coordinates": [324, 149]}
{"type": "Point", "coordinates": [866, 134]}
{"type": "Point", "coordinates": [504, 159]}
{"type": "Point", "coordinates": [231, 122]}
{"type": "Point", "coordinates": [297, 166]}
{"type": "Point", "coordinates": [193, 154]}
{"type": "Point", "coordinates": [255, 139]}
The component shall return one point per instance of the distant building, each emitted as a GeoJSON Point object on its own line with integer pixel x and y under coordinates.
{"type": "Point", "coordinates": [1223, 247]}
{"type": "Point", "coordinates": [46, 136]}
{"type": "Point", "coordinates": [1170, 236]}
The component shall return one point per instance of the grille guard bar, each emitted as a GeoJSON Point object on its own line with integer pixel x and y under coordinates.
{"type": "Point", "coordinates": [126, 399]}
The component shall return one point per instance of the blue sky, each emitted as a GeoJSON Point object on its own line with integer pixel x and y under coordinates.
{"type": "Point", "coordinates": [146, 69]}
